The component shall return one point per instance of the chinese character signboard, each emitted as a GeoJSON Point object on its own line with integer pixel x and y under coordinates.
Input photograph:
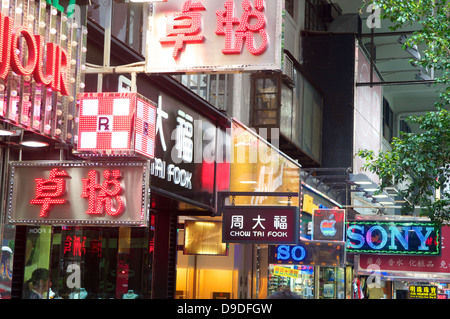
{"type": "Point", "coordinates": [116, 124]}
{"type": "Point", "coordinates": [328, 224]}
{"type": "Point", "coordinates": [189, 158]}
{"type": "Point", "coordinates": [79, 193]}
{"type": "Point", "coordinates": [42, 54]}
{"type": "Point", "coordinates": [393, 237]}
{"type": "Point", "coordinates": [225, 35]}
{"type": "Point", "coordinates": [423, 292]}
{"type": "Point", "coordinates": [310, 253]}
{"type": "Point", "coordinates": [261, 224]}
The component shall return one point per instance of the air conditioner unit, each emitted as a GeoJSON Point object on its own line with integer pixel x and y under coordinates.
{"type": "Point", "coordinates": [288, 69]}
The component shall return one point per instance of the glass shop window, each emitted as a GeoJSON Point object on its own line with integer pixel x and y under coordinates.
{"type": "Point", "coordinates": [88, 262]}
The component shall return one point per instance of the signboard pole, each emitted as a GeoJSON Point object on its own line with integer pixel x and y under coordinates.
{"type": "Point", "coordinates": [224, 194]}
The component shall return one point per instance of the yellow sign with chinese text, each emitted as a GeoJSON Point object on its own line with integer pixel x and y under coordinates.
{"type": "Point", "coordinates": [285, 272]}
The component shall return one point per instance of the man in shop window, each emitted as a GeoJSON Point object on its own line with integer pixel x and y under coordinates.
{"type": "Point", "coordinates": [38, 285]}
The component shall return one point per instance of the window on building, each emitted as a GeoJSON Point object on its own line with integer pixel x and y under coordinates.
{"type": "Point", "coordinates": [265, 99]}
{"type": "Point", "coordinates": [289, 7]}
{"type": "Point", "coordinates": [126, 22]}
{"type": "Point", "coordinates": [388, 121]}
{"type": "Point", "coordinates": [313, 15]}
{"type": "Point", "coordinates": [214, 88]}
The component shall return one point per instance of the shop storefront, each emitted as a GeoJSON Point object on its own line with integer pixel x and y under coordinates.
{"type": "Point", "coordinates": [416, 270]}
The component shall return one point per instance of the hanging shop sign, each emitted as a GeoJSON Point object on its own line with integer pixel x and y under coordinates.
{"type": "Point", "coordinates": [328, 224]}
{"type": "Point", "coordinates": [393, 237]}
{"type": "Point", "coordinates": [422, 292]}
{"type": "Point", "coordinates": [188, 154]}
{"type": "Point", "coordinates": [42, 55]}
{"type": "Point", "coordinates": [261, 224]}
{"type": "Point", "coordinates": [203, 238]}
{"type": "Point", "coordinates": [116, 124]}
{"type": "Point", "coordinates": [78, 193]}
{"type": "Point", "coordinates": [309, 253]}
{"type": "Point", "coordinates": [206, 36]}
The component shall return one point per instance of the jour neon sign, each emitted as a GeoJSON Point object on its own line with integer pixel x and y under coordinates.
{"type": "Point", "coordinates": [56, 60]}
{"type": "Point", "coordinates": [393, 237]}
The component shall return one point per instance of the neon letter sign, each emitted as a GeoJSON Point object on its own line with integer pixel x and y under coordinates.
{"type": "Point", "coordinates": [57, 58]}
{"type": "Point", "coordinates": [393, 237]}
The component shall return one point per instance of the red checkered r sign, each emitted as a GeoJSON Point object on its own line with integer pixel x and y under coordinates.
{"type": "Point", "coordinates": [114, 123]}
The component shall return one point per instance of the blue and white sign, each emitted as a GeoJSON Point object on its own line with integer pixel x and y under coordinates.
{"type": "Point", "coordinates": [310, 253]}
{"type": "Point", "coordinates": [393, 237]}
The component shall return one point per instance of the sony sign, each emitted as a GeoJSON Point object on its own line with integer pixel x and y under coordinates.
{"type": "Point", "coordinates": [393, 237]}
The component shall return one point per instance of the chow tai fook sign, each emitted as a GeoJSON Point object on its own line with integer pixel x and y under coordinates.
{"type": "Point", "coordinates": [116, 124]}
{"type": "Point", "coordinates": [78, 193]}
{"type": "Point", "coordinates": [261, 224]}
{"type": "Point", "coordinates": [42, 54]}
{"type": "Point", "coordinates": [393, 237]}
{"type": "Point", "coordinates": [221, 35]}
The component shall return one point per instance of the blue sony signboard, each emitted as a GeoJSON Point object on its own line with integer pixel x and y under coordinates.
{"type": "Point", "coordinates": [393, 237]}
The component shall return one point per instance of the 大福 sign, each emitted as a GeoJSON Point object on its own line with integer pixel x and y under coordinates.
{"type": "Point", "coordinates": [261, 224]}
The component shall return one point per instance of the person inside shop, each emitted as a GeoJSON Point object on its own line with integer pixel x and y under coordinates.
{"type": "Point", "coordinates": [284, 293]}
{"type": "Point", "coordinates": [38, 285]}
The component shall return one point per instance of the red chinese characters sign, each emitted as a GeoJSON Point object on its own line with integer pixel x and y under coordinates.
{"type": "Point", "coordinates": [74, 192]}
{"type": "Point", "coordinates": [226, 35]}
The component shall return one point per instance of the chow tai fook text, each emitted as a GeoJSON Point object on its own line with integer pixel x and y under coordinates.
{"type": "Point", "coordinates": [78, 193]}
{"type": "Point", "coordinates": [261, 224]}
{"type": "Point", "coordinates": [393, 237]}
{"type": "Point", "coordinates": [221, 35]}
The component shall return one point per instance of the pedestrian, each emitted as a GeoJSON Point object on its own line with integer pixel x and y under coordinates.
{"type": "Point", "coordinates": [38, 284]}
{"type": "Point", "coordinates": [284, 293]}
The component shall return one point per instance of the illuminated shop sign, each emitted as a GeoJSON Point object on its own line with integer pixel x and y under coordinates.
{"type": "Point", "coordinates": [328, 224]}
{"type": "Point", "coordinates": [393, 237]}
{"type": "Point", "coordinates": [225, 35]}
{"type": "Point", "coordinates": [80, 193]}
{"type": "Point", "coordinates": [189, 148]}
{"type": "Point", "coordinates": [42, 54]}
{"type": "Point", "coordinates": [116, 124]}
{"type": "Point", "coordinates": [309, 253]}
{"type": "Point", "coordinates": [261, 224]}
{"type": "Point", "coordinates": [423, 292]}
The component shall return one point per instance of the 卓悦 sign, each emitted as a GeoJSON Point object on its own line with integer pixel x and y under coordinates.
{"type": "Point", "coordinates": [78, 193]}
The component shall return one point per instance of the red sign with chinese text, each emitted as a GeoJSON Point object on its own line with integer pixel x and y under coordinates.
{"type": "Point", "coordinates": [77, 192]}
{"type": "Point", "coordinates": [216, 35]}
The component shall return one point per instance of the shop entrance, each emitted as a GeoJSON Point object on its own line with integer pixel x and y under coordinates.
{"type": "Point", "coordinates": [83, 262]}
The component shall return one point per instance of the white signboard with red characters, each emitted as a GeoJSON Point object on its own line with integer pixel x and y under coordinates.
{"type": "Point", "coordinates": [78, 193]}
{"type": "Point", "coordinates": [212, 36]}
{"type": "Point", "coordinates": [116, 124]}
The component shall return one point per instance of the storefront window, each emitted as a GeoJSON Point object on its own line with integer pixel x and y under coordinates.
{"type": "Point", "coordinates": [87, 262]}
{"type": "Point", "coordinates": [298, 279]}
{"type": "Point", "coordinates": [331, 283]}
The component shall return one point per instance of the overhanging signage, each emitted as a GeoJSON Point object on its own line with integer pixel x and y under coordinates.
{"type": "Point", "coordinates": [78, 193]}
{"type": "Point", "coordinates": [328, 224]}
{"type": "Point", "coordinates": [188, 153]}
{"type": "Point", "coordinates": [261, 224]}
{"type": "Point", "coordinates": [224, 35]}
{"type": "Point", "coordinates": [393, 237]}
{"type": "Point", "coordinates": [42, 54]}
{"type": "Point", "coordinates": [309, 253]}
{"type": "Point", "coordinates": [116, 124]}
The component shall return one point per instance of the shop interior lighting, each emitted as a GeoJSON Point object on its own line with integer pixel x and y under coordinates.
{"type": "Point", "coordinates": [35, 144]}
{"type": "Point", "coordinates": [4, 132]}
